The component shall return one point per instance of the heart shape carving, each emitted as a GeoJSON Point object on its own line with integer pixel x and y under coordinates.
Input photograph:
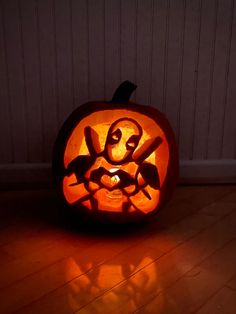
{"type": "Point", "coordinates": [110, 181]}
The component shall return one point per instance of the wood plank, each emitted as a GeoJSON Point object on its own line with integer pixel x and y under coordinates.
{"type": "Point", "coordinates": [142, 254]}
{"type": "Point", "coordinates": [80, 261]}
{"type": "Point", "coordinates": [145, 21]}
{"type": "Point", "coordinates": [204, 78]}
{"type": "Point", "coordinates": [228, 149]}
{"type": "Point", "coordinates": [223, 261]}
{"type": "Point", "coordinates": [80, 50]}
{"type": "Point", "coordinates": [6, 140]}
{"type": "Point", "coordinates": [50, 251]}
{"type": "Point", "coordinates": [64, 60]}
{"type": "Point", "coordinates": [192, 204]}
{"type": "Point", "coordinates": [222, 302]}
{"type": "Point", "coordinates": [32, 79]}
{"type": "Point", "coordinates": [161, 274]}
{"type": "Point", "coordinates": [191, 290]}
{"type": "Point", "coordinates": [189, 77]}
{"type": "Point", "coordinates": [46, 25]}
{"type": "Point", "coordinates": [112, 53]}
{"type": "Point", "coordinates": [16, 75]}
{"type": "Point", "coordinates": [96, 49]}
{"type": "Point", "coordinates": [174, 62]}
{"type": "Point", "coordinates": [232, 283]}
{"type": "Point", "coordinates": [198, 285]}
{"type": "Point", "coordinates": [128, 41]}
{"type": "Point", "coordinates": [219, 79]}
{"type": "Point", "coordinates": [28, 222]}
{"type": "Point", "coordinates": [159, 49]}
{"type": "Point", "coordinates": [5, 257]}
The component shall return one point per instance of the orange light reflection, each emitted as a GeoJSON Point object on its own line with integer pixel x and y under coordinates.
{"type": "Point", "coordinates": [121, 281]}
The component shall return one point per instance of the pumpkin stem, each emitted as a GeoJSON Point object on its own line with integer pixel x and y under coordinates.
{"type": "Point", "coordinates": [123, 92]}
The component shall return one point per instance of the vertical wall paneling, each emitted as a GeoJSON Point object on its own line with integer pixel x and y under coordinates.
{"type": "Point", "coordinates": [63, 57]}
{"type": "Point", "coordinates": [112, 46]}
{"type": "Point", "coordinates": [174, 65]}
{"type": "Point", "coordinates": [15, 63]}
{"type": "Point", "coordinates": [189, 76]}
{"type": "Point", "coordinates": [32, 79]}
{"type": "Point", "coordinates": [6, 151]}
{"type": "Point", "coordinates": [160, 35]}
{"type": "Point", "coordinates": [144, 49]}
{"type": "Point", "coordinates": [228, 149]}
{"type": "Point", "coordinates": [128, 40]}
{"type": "Point", "coordinates": [48, 74]}
{"type": "Point", "coordinates": [204, 83]}
{"type": "Point", "coordinates": [58, 54]}
{"type": "Point", "coordinates": [80, 53]}
{"type": "Point", "coordinates": [215, 127]}
{"type": "Point", "coordinates": [96, 9]}
{"type": "Point", "coordinates": [182, 43]}
{"type": "Point", "coordinates": [163, 107]}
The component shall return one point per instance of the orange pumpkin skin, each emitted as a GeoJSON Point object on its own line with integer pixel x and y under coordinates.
{"type": "Point", "coordinates": [115, 161]}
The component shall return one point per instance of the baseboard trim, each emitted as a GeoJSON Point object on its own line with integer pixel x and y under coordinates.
{"type": "Point", "coordinates": [208, 171]}
{"type": "Point", "coordinates": [25, 175]}
{"type": "Point", "coordinates": [191, 172]}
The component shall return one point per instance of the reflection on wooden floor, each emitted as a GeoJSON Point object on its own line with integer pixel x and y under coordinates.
{"type": "Point", "coordinates": [182, 261]}
{"type": "Point", "coordinates": [107, 276]}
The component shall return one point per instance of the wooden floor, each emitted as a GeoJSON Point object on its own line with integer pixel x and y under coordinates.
{"type": "Point", "coordinates": [183, 261]}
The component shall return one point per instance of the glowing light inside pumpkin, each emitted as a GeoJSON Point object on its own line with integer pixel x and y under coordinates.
{"type": "Point", "coordinates": [108, 197]}
{"type": "Point", "coordinates": [114, 179]}
{"type": "Point", "coordinates": [101, 121]}
{"type": "Point", "coordinates": [120, 150]}
{"type": "Point", "coordinates": [115, 194]}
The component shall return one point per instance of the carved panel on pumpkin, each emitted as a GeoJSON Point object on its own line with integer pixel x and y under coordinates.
{"type": "Point", "coordinates": [119, 165]}
{"type": "Point", "coordinates": [116, 160]}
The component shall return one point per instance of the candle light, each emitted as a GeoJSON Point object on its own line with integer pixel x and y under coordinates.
{"type": "Point", "coordinates": [117, 193]}
{"type": "Point", "coordinates": [114, 179]}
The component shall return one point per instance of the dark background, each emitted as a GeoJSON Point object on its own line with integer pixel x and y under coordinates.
{"type": "Point", "coordinates": [56, 55]}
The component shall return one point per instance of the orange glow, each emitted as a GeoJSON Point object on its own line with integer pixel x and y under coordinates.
{"type": "Point", "coordinates": [111, 181]}
{"type": "Point", "coordinates": [87, 204]}
{"type": "Point", "coordinates": [73, 192]}
{"type": "Point", "coordinates": [109, 196]}
{"type": "Point", "coordinates": [110, 201]}
{"type": "Point", "coordinates": [92, 284]}
{"type": "Point", "coordinates": [140, 200]}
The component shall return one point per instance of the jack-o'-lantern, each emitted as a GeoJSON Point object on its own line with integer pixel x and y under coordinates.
{"type": "Point", "coordinates": [116, 161]}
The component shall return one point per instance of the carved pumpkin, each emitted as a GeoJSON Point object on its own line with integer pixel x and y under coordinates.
{"type": "Point", "coordinates": [116, 161]}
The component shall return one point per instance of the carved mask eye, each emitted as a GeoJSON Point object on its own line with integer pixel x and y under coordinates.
{"type": "Point", "coordinates": [115, 137]}
{"type": "Point", "coordinates": [132, 142]}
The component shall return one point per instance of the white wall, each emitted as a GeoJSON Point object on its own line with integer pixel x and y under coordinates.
{"type": "Point", "coordinates": [55, 55]}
